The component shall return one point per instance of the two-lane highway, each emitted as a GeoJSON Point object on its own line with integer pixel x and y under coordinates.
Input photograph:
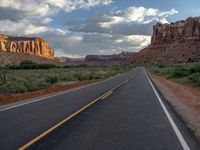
{"type": "Point", "coordinates": [125, 113]}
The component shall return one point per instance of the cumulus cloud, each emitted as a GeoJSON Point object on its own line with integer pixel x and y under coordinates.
{"type": "Point", "coordinates": [24, 27]}
{"type": "Point", "coordinates": [101, 33]}
{"type": "Point", "coordinates": [143, 15]}
{"type": "Point", "coordinates": [133, 20]}
{"type": "Point", "coordinates": [26, 7]}
{"type": "Point", "coordinates": [94, 43]}
{"type": "Point", "coordinates": [21, 9]}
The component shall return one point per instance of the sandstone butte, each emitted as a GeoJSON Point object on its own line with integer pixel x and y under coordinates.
{"type": "Point", "coordinates": [26, 45]}
{"type": "Point", "coordinates": [177, 42]}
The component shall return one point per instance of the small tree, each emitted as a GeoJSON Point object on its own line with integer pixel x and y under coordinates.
{"type": "Point", "coordinates": [3, 72]}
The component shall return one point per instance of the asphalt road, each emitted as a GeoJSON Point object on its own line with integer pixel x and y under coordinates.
{"type": "Point", "coordinates": [122, 113]}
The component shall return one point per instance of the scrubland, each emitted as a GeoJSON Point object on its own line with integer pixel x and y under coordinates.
{"type": "Point", "coordinates": [30, 76]}
{"type": "Point", "coordinates": [182, 73]}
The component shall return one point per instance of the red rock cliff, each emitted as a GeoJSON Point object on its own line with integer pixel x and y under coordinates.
{"type": "Point", "coordinates": [179, 31]}
{"type": "Point", "coordinates": [177, 42]}
{"type": "Point", "coordinates": [35, 46]}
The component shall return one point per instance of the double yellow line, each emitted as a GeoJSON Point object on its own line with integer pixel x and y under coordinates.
{"type": "Point", "coordinates": [102, 97]}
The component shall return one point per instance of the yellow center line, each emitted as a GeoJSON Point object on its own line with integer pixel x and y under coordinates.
{"type": "Point", "coordinates": [68, 118]}
{"type": "Point", "coordinates": [108, 94]}
{"type": "Point", "coordinates": [57, 125]}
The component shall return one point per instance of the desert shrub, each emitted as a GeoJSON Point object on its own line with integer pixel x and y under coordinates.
{"type": "Point", "coordinates": [195, 79]}
{"type": "Point", "coordinates": [96, 77]}
{"type": "Point", "coordinates": [21, 89]}
{"type": "Point", "coordinates": [42, 85]}
{"type": "Point", "coordinates": [83, 77]}
{"type": "Point", "coordinates": [27, 64]}
{"type": "Point", "coordinates": [116, 70]}
{"type": "Point", "coordinates": [45, 66]}
{"type": "Point", "coordinates": [3, 74]}
{"type": "Point", "coordinates": [7, 88]}
{"type": "Point", "coordinates": [82, 66]}
{"type": "Point", "coordinates": [69, 78]}
{"type": "Point", "coordinates": [34, 85]}
{"type": "Point", "coordinates": [52, 80]}
{"type": "Point", "coordinates": [161, 66]}
{"type": "Point", "coordinates": [13, 88]}
{"type": "Point", "coordinates": [194, 68]}
{"type": "Point", "coordinates": [178, 72]}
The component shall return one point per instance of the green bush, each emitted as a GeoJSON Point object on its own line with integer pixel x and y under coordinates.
{"type": "Point", "coordinates": [31, 86]}
{"type": "Point", "coordinates": [52, 80]}
{"type": "Point", "coordinates": [13, 88]}
{"type": "Point", "coordinates": [82, 66]}
{"type": "Point", "coordinates": [177, 72]}
{"type": "Point", "coordinates": [21, 89]}
{"type": "Point", "coordinates": [195, 79]}
{"type": "Point", "coordinates": [83, 77]}
{"type": "Point", "coordinates": [7, 88]}
{"type": "Point", "coordinates": [27, 64]}
{"type": "Point", "coordinates": [194, 68]}
{"type": "Point", "coordinates": [161, 66]}
{"type": "Point", "coordinates": [69, 78]}
{"type": "Point", "coordinates": [96, 77]}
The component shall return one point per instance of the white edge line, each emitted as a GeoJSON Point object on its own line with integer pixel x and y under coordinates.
{"type": "Point", "coordinates": [175, 128]}
{"type": "Point", "coordinates": [53, 95]}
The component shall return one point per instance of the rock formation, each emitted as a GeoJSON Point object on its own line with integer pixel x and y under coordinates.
{"type": "Point", "coordinates": [177, 42]}
{"type": "Point", "coordinates": [35, 46]}
{"type": "Point", "coordinates": [123, 56]}
{"type": "Point", "coordinates": [178, 31]}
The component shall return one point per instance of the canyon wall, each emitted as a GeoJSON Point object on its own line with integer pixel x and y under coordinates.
{"type": "Point", "coordinates": [34, 46]}
{"type": "Point", "coordinates": [177, 42]}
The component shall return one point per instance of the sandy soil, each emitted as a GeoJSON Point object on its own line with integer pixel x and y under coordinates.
{"type": "Point", "coordinates": [184, 98]}
{"type": "Point", "coordinates": [10, 98]}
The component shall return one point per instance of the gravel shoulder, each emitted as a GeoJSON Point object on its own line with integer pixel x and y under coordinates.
{"type": "Point", "coordinates": [184, 98]}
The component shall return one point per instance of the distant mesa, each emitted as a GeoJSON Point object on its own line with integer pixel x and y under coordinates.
{"type": "Point", "coordinates": [110, 58]}
{"type": "Point", "coordinates": [99, 60]}
{"type": "Point", "coordinates": [177, 42]}
{"type": "Point", "coordinates": [26, 45]}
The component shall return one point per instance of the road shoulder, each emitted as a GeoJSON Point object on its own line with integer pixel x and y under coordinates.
{"type": "Point", "coordinates": [184, 99]}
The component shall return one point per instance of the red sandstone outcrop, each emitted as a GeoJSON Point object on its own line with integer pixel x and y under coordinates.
{"type": "Point", "coordinates": [35, 46]}
{"type": "Point", "coordinates": [172, 43]}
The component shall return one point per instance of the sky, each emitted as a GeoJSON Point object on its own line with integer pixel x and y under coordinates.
{"type": "Point", "coordinates": [75, 28]}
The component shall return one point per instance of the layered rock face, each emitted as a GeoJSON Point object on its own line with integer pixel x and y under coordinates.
{"type": "Point", "coordinates": [179, 31]}
{"type": "Point", "coordinates": [35, 46]}
{"type": "Point", "coordinates": [177, 42]}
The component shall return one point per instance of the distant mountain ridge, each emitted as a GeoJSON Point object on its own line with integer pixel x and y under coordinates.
{"type": "Point", "coordinates": [101, 60]}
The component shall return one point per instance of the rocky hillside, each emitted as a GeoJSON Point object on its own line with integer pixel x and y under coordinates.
{"type": "Point", "coordinates": [177, 42]}
{"type": "Point", "coordinates": [16, 58]}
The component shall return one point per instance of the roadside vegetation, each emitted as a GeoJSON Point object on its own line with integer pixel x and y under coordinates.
{"type": "Point", "coordinates": [183, 73]}
{"type": "Point", "coordinates": [30, 76]}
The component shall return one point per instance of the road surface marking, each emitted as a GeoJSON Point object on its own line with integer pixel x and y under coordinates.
{"type": "Point", "coordinates": [175, 128]}
{"type": "Point", "coordinates": [108, 94]}
{"type": "Point", "coordinates": [56, 94]}
{"type": "Point", "coordinates": [126, 81]}
{"type": "Point", "coordinates": [65, 120]}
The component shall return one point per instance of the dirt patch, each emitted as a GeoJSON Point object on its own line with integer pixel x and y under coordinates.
{"type": "Point", "coordinates": [184, 98]}
{"type": "Point", "coordinates": [10, 98]}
